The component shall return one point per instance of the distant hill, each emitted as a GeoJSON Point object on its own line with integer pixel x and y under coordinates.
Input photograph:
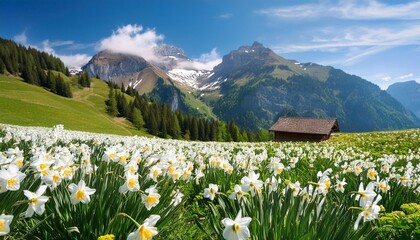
{"type": "Point", "coordinates": [408, 94]}
{"type": "Point", "coordinates": [29, 105]}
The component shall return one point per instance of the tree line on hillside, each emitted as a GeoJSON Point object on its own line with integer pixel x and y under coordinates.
{"type": "Point", "coordinates": [161, 121]}
{"type": "Point", "coordinates": [35, 67]}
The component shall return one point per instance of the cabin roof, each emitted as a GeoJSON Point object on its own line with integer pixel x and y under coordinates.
{"type": "Point", "coordinates": [306, 125]}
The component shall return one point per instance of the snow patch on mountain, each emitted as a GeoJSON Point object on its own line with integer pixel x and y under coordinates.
{"type": "Point", "coordinates": [190, 78]}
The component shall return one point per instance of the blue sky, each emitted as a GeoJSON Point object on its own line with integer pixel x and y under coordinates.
{"type": "Point", "coordinates": [378, 40]}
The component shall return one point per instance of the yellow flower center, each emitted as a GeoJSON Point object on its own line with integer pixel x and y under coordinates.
{"type": "Point", "coordinates": [171, 169]}
{"type": "Point", "coordinates": [236, 227]}
{"type": "Point", "coordinates": [34, 200]}
{"type": "Point", "coordinates": [366, 212]}
{"type": "Point", "coordinates": [56, 178]}
{"type": "Point", "coordinates": [145, 233]}
{"type": "Point", "coordinates": [150, 200]}
{"type": "Point", "coordinates": [67, 172]}
{"type": "Point", "coordinates": [279, 170]}
{"type": "Point", "coordinates": [132, 169]}
{"type": "Point", "coordinates": [327, 184]}
{"type": "Point", "coordinates": [123, 158]}
{"type": "Point", "coordinates": [371, 174]}
{"type": "Point", "coordinates": [131, 182]}
{"type": "Point", "coordinates": [11, 182]}
{"type": "Point", "coordinates": [404, 179]}
{"type": "Point", "coordinates": [175, 176]}
{"type": "Point", "coordinates": [44, 172]}
{"type": "Point", "coordinates": [2, 225]}
{"type": "Point", "coordinates": [155, 173]}
{"type": "Point", "coordinates": [43, 166]}
{"type": "Point", "coordinates": [19, 162]}
{"type": "Point", "coordinates": [112, 155]}
{"type": "Point", "coordinates": [80, 194]}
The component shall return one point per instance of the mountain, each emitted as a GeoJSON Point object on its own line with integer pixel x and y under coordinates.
{"type": "Point", "coordinates": [147, 78]}
{"type": "Point", "coordinates": [408, 94]}
{"type": "Point", "coordinates": [257, 86]}
{"type": "Point", "coordinates": [254, 86]}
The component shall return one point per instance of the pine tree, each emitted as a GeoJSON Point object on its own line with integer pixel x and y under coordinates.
{"type": "Point", "coordinates": [51, 82]}
{"type": "Point", "coordinates": [67, 90]}
{"type": "Point", "coordinates": [138, 121]}
{"type": "Point", "coordinates": [112, 103]}
{"type": "Point", "coordinates": [153, 127]}
{"type": "Point", "coordinates": [176, 134]}
{"type": "Point", "coordinates": [194, 129]}
{"type": "Point", "coordinates": [2, 67]}
{"type": "Point", "coordinates": [28, 75]}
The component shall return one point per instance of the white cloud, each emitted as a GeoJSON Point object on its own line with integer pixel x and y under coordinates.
{"type": "Point", "coordinates": [405, 76]}
{"type": "Point", "coordinates": [225, 15]}
{"type": "Point", "coordinates": [206, 61]}
{"type": "Point", "coordinates": [358, 42]}
{"type": "Point", "coordinates": [133, 39]}
{"type": "Point", "coordinates": [386, 78]}
{"type": "Point", "coordinates": [351, 10]}
{"type": "Point", "coordinates": [358, 37]}
{"type": "Point", "coordinates": [75, 60]}
{"type": "Point", "coordinates": [21, 38]}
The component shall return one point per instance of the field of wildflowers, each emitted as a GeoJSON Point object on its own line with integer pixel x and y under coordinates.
{"type": "Point", "coordinates": [59, 184]}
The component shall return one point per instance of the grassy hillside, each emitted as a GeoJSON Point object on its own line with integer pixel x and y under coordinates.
{"type": "Point", "coordinates": [29, 105]}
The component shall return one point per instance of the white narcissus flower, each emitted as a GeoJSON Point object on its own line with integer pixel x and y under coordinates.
{"type": "Point", "coordinates": [238, 193]}
{"type": "Point", "coordinates": [131, 183]}
{"type": "Point", "coordinates": [36, 201]}
{"type": "Point", "coordinates": [147, 230]}
{"type": "Point", "coordinates": [370, 212]}
{"type": "Point", "coordinates": [365, 195]}
{"type": "Point", "coordinates": [271, 183]}
{"type": "Point", "coordinates": [177, 198]}
{"type": "Point", "coordinates": [80, 193]}
{"type": "Point", "coordinates": [5, 221]}
{"type": "Point", "coordinates": [52, 179]}
{"type": "Point", "coordinates": [251, 183]}
{"type": "Point", "coordinates": [383, 186]}
{"type": "Point", "coordinates": [10, 179]}
{"type": "Point", "coordinates": [152, 199]}
{"type": "Point", "coordinates": [340, 185]}
{"type": "Point", "coordinates": [372, 173]}
{"type": "Point", "coordinates": [295, 187]}
{"type": "Point", "coordinates": [211, 191]}
{"type": "Point", "coordinates": [236, 229]}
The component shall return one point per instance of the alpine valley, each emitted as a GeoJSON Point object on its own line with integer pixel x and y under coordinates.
{"type": "Point", "coordinates": [253, 86]}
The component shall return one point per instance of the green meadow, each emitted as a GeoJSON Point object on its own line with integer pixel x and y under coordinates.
{"type": "Point", "coordinates": [28, 105]}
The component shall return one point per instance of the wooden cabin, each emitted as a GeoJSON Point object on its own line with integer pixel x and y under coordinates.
{"type": "Point", "coordinates": [304, 129]}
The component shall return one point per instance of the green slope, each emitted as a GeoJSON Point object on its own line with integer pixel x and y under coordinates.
{"type": "Point", "coordinates": [29, 105]}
